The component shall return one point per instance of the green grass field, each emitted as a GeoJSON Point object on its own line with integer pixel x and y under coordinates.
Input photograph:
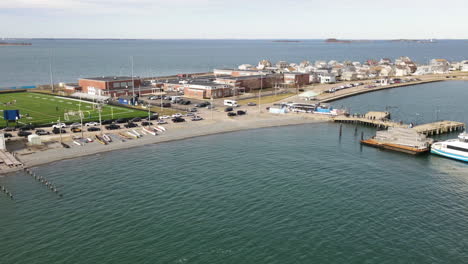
{"type": "Point", "coordinates": [42, 109]}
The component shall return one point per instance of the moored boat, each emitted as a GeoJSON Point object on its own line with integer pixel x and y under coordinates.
{"type": "Point", "coordinates": [453, 148]}
{"type": "Point", "coordinates": [405, 140]}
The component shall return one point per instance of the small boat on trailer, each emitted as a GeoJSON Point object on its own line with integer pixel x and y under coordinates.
{"type": "Point", "coordinates": [100, 140]}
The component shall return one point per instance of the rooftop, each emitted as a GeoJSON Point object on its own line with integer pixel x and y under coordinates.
{"type": "Point", "coordinates": [109, 78]}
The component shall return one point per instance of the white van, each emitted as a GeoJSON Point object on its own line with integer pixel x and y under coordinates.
{"type": "Point", "coordinates": [231, 103]}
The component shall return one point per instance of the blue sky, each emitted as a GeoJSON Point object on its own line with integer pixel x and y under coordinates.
{"type": "Point", "coordinates": [254, 19]}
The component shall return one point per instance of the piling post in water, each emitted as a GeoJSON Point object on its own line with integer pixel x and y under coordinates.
{"type": "Point", "coordinates": [362, 135]}
{"type": "Point", "coordinates": [341, 129]}
{"type": "Point", "coordinates": [355, 130]}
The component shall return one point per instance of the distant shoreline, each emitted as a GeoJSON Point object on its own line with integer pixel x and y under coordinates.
{"type": "Point", "coordinates": [14, 44]}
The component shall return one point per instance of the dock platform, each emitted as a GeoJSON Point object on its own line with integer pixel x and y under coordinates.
{"type": "Point", "coordinates": [429, 129]}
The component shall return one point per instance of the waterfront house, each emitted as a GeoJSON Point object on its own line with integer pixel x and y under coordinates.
{"type": "Point", "coordinates": [464, 66]}
{"type": "Point", "coordinates": [282, 65]}
{"type": "Point", "coordinates": [349, 76]}
{"type": "Point", "coordinates": [423, 70]}
{"type": "Point", "coordinates": [245, 67]}
{"type": "Point", "coordinates": [327, 78]}
{"type": "Point", "coordinates": [263, 64]}
{"type": "Point", "coordinates": [386, 70]}
{"type": "Point", "coordinates": [385, 61]}
{"type": "Point", "coordinates": [402, 70]}
{"type": "Point", "coordinates": [440, 66]}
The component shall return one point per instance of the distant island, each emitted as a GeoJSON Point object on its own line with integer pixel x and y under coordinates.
{"type": "Point", "coordinates": [334, 40]}
{"type": "Point", "coordinates": [286, 40]}
{"type": "Point", "coordinates": [414, 40]}
{"type": "Point", "coordinates": [14, 44]}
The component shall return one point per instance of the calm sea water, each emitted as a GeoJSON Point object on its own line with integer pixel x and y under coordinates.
{"type": "Point", "coordinates": [73, 59]}
{"type": "Point", "coordinates": [296, 194]}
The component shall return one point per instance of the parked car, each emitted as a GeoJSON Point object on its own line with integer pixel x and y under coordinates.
{"type": "Point", "coordinates": [177, 115]}
{"type": "Point", "coordinates": [192, 110]}
{"type": "Point", "coordinates": [57, 130]}
{"type": "Point", "coordinates": [155, 116]}
{"type": "Point", "coordinates": [42, 132]}
{"type": "Point", "coordinates": [197, 118]}
{"type": "Point", "coordinates": [136, 119]}
{"type": "Point", "coordinates": [251, 104]}
{"type": "Point", "coordinates": [59, 125]}
{"type": "Point", "coordinates": [106, 122]}
{"type": "Point", "coordinates": [92, 124]}
{"type": "Point", "coordinates": [112, 127]}
{"type": "Point", "coordinates": [24, 133]}
{"type": "Point", "coordinates": [228, 109]}
{"type": "Point", "coordinates": [241, 112]}
{"type": "Point", "coordinates": [9, 129]}
{"type": "Point", "coordinates": [93, 129]}
{"type": "Point", "coordinates": [121, 120]}
{"type": "Point", "coordinates": [146, 123]}
{"type": "Point", "coordinates": [75, 129]}
{"type": "Point", "coordinates": [26, 127]}
{"type": "Point", "coordinates": [165, 117]}
{"type": "Point", "coordinates": [178, 119]}
{"type": "Point", "coordinates": [190, 114]}
{"type": "Point", "coordinates": [162, 122]}
{"type": "Point", "coordinates": [184, 102]}
{"type": "Point", "coordinates": [301, 90]}
{"type": "Point", "coordinates": [75, 125]}
{"type": "Point", "coordinates": [7, 135]}
{"type": "Point", "coordinates": [231, 114]}
{"type": "Point", "coordinates": [130, 125]}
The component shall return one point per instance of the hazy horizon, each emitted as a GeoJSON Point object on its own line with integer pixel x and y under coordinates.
{"type": "Point", "coordinates": [241, 19]}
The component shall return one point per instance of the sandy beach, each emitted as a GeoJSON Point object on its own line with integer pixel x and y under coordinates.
{"type": "Point", "coordinates": [175, 131]}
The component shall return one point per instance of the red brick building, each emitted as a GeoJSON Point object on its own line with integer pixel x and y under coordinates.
{"type": "Point", "coordinates": [252, 82]}
{"type": "Point", "coordinates": [110, 86]}
{"type": "Point", "coordinates": [296, 79]}
{"type": "Point", "coordinates": [207, 90]}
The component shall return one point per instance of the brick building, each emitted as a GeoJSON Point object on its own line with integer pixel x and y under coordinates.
{"type": "Point", "coordinates": [204, 90]}
{"type": "Point", "coordinates": [252, 82]}
{"type": "Point", "coordinates": [296, 79]}
{"type": "Point", "coordinates": [110, 86]}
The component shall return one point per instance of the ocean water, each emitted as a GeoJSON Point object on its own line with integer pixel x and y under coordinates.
{"type": "Point", "coordinates": [73, 59]}
{"type": "Point", "coordinates": [297, 194]}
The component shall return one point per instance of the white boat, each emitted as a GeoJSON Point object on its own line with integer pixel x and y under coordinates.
{"type": "Point", "coordinates": [143, 131]}
{"type": "Point", "coordinates": [131, 134]}
{"type": "Point", "coordinates": [453, 148]}
{"type": "Point", "coordinates": [136, 133]}
{"type": "Point", "coordinates": [162, 128]}
{"type": "Point", "coordinates": [77, 143]}
{"type": "Point", "coordinates": [107, 138]}
{"type": "Point", "coordinates": [158, 129]}
{"type": "Point", "coordinates": [149, 131]}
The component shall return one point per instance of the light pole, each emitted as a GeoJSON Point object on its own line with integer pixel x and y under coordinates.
{"type": "Point", "coordinates": [149, 114]}
{"type": "Point", "coordinates": [211, 107]}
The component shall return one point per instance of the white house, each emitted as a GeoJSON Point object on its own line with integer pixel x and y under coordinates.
{"type": "Point", "coordinates": [327, 78]}
{"type": "Point", "coordinates": [245, 67]}
{"type": "Point", "coordinates": [464, 66]}
{"type": "Point", "coordinates": [423, 70]}
{"type": "Point", "coordinates": [440, 66]}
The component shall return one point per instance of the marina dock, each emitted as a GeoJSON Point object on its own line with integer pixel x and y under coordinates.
{"type": "Point", "coordinates": [379, 120]}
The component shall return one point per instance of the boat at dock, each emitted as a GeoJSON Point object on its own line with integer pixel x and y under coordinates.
{"type": "Point", "coordinates": [404, 140]}
{"type": "Point", "coordinates": [453, 148]}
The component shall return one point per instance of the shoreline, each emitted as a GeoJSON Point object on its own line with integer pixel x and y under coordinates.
{"type": "Point", "coordinates": [207, 128]}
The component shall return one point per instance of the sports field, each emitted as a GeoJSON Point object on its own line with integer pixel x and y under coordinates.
{"type": "Point", "coordinates": [42, 109]}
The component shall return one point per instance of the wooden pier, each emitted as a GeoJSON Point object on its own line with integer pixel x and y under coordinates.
{"type": "Point", "coordinates": [429, 129]}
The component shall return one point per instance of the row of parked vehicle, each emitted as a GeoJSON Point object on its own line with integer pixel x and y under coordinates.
{"type": "Point", "coordinates": [342, 87]}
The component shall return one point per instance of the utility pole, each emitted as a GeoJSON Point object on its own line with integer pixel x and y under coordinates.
{"type": "Point", "coordinates": [100, 121]}
{"type": "Point", "coordinates": [133, 83]}
{"type": "Point", "coordinates": [149, 114]}
{"type": "Point", "coordinates": [211, 107]}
